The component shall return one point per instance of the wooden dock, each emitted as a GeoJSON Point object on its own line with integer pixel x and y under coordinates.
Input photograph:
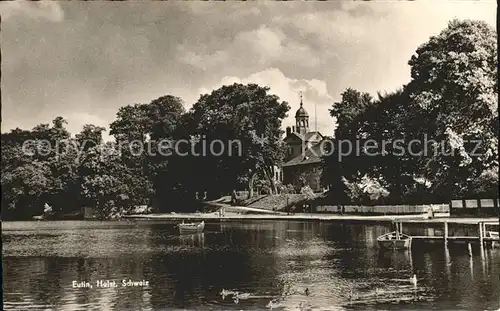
{"type": "Point", "coordinates": [481, 224]}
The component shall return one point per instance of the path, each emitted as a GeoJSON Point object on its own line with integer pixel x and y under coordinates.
{"type": "Point", "coordinates": [281, 216]}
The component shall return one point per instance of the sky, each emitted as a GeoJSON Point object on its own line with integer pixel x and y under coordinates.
{"type": "Point", "coordinates": [84, 60]}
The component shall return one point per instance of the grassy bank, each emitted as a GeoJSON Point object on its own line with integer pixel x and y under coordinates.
{"type": "Point", "coordinates": [270, 202]}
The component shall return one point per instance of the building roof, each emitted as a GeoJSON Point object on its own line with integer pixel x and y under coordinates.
{"type": "Point", "coordinates": [310, 156]}
{"type": "Point", "coordinates": [306, 137]}
{"type": "Point", "coordinates": [298, 135]}
{"type": "Point", "coordinates": [301, 112]}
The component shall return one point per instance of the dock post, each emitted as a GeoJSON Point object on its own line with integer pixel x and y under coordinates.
{"type": "Point", "coordinates": [469, 247]}
{"type": "Point", "coordinates": [481, 233]}
{"type": "Point", "coordinates": [445, 233]}
{"type": "Point", "coordinates": [485, 234]}
{"type": "Point", "coordinates": [448, 262]}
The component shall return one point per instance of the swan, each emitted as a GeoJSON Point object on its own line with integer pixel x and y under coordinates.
{"type": "Point", "coordinates": [413, 280]}
{"type": "Point", "coordinates": [273, 304]}
{"type": "Point", "coordinates": [224, 293]}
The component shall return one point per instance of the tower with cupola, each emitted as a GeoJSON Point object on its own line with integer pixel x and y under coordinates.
{"type": "Point", "coordinates": [301, 119]}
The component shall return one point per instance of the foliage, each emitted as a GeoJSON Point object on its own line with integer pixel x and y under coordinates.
{"type": "Point", "coordinates": [245, 114]}
{"type": "Point", "coordinates": [449, 109]}
{"type": "Point", "coordinates": [290, 188]}
{"type": "Point", "coordinates": [307, 192]}
{"type": "Point", "coordinates": [486, 184]}
{"type": "Point", "coordinates": [139, 130]}
{"type": "Point", "coordinates": [286, 189]}
{"type": "Point", "coordinates": [455, 86]}
{"type": "Point", "coordinates": [114, 177]}
{"type": "Point", "coordinates": [449, 106]}
{"type": "Point", "coordinates": [263, 186]}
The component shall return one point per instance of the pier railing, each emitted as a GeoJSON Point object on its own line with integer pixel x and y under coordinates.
{"type": "Point", "coordinates": [487, 229]}
{"type": "Point", "coordinates": [384, 209]}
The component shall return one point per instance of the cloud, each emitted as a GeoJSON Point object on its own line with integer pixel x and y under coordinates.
{"type": "Point", "coordinates": [94, 57]}
{"type": "Point", "coordinates": [49, 10]}
{"type": "Point", "coordinates": [77, 120]}
{"type": "Point", "coordinates": [371, 43]}
{"type": "Point", "coordinates": [199, 60]}
{"type": "Point", "coordinates": [315, 95]}
{"type": "Point", "coordinates": [263, 46]}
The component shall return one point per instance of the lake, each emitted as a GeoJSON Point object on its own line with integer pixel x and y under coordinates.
{"type": "Point", "coordinates": [283, 265]}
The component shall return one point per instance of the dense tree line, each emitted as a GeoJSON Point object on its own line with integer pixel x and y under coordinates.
{"type": "Point", "coordinates": [440, 130]}
{"type": "Point", "coordinates": [451, 100]}
{"type": "Point", "coordinates": [146, 164]}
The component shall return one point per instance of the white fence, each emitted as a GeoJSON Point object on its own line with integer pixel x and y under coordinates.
{"type": "Point", "coordinates": [384, 209]}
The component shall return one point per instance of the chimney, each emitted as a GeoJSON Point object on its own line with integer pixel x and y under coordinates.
{"type": "Point", "coordinates": [293, 128]}
{"type": "Point", "coordinates": [288, 130]}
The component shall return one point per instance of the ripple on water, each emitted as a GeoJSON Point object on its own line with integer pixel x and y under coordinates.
{"type": "Point", "coordinates": [190, 271]}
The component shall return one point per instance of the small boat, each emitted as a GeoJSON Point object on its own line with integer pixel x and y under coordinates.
{"type": "Point", "coordinates": [191, 228]}
{"type": "Point", "coordinates": [394, 240]}
{"type": "Point", "coordinates": [492, 234]}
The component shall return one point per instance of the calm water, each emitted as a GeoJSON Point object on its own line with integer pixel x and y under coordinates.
{"type": "Point", "coordinates": [340, 264]}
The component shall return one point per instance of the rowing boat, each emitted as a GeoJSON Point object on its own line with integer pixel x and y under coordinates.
{"type": "Point", "coordinates": [492, 234]}
{"type": "Point", "coordinates": [394, 240]}
{"type": "Point", "coordinates": [190, 228]}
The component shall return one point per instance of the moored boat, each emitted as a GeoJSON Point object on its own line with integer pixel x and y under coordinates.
{"type": "Point", "coordinates": [191, 228]}
{"type": "Point", "coordinates": [394, 240]}
{"type": "Point", "coordinates": [492, 234]}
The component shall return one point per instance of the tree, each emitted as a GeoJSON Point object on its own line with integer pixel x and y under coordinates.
{"type": "Point", "coordinates": [455, 86]}
{"type": "Point", "coordinates": [138, 130]}
{"type": "Point", "coordinates": [351, 106]}
{"type": "Point", "coordinates": [339, 168]}
{"type": "Point", "coordinates": [24, 189]}
{"type": "Point", "coordinates": [449, 109]}
{"type": "Point", "coordinates": [249, 116]}
{"type": "Point", "coordinates": [106, 185]}
{"type": "Point", "coordinates": [389, 124]}
{"type": "Point", "coordinates": [89, 137]}
{"type": "Point", "coordinates": [48, 150]}
{"type": "Point", "coordinates": [486, 185]}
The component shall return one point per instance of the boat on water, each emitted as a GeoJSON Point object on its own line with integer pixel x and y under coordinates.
{"type": "Point", "coordinates": [492, 234]}
{"type": "Point", "coordinates": [394, 240]}
{"type": "Point", "coordinates": [191, 228]}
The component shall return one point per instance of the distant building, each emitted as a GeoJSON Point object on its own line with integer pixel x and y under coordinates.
{"type": "Point", "coordinates": [303, 161]}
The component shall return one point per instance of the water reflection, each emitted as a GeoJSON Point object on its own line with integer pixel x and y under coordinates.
{"type": "Point", "coordinates": [266, 264]}
{"type": "Point", "coordinates": [196, 240]}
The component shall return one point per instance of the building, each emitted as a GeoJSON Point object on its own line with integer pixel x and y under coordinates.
{"type": "Point", "coordinates": [303, 162]}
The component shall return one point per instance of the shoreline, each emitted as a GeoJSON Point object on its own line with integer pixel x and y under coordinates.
{"type": "Point", "coordinates": [297, 216]}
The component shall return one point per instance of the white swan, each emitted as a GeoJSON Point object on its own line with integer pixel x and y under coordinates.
{"type": "Point", "coordinates": [273, 304]}
{"type": "Point", "coordinates": [413, 280]}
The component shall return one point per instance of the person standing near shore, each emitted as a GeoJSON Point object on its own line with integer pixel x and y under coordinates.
{"type": "Point", "coordinates": [234, 198]}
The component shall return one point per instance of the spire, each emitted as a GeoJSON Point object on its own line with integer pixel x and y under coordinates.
{"type": "Point", "coordinates": [302, 118]}
{"type": "Point", "coordinates": [315, 118]}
